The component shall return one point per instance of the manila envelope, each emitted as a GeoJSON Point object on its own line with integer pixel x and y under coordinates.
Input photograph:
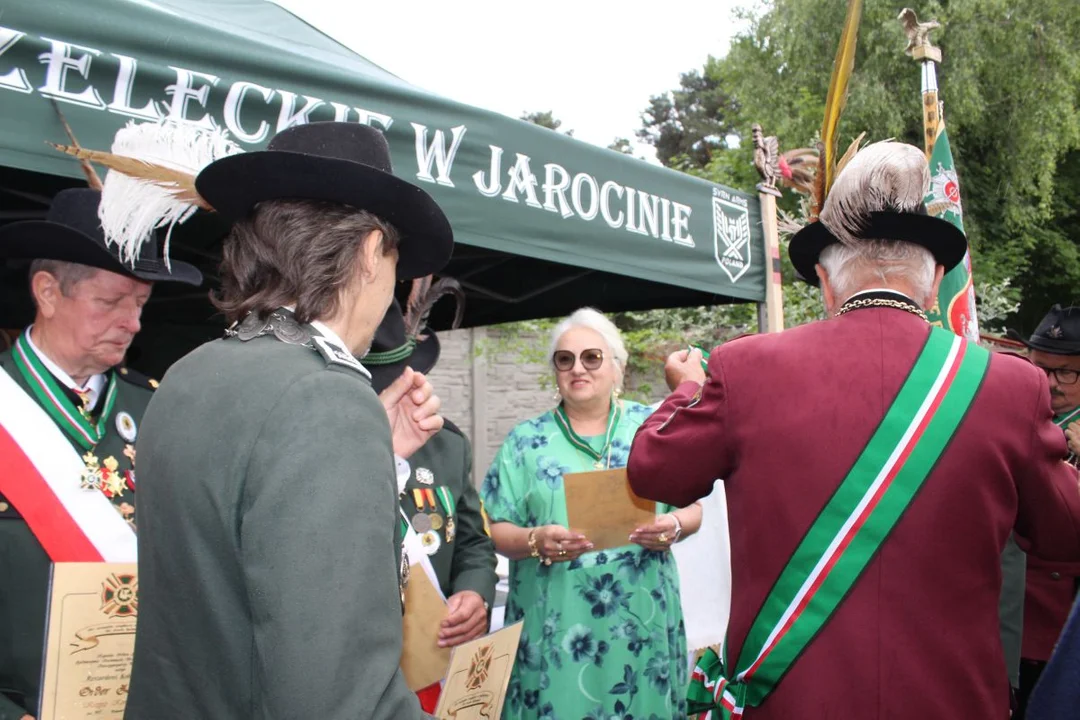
{"type": "Point", "coordinates": [422, 660]}
{"type": "Point", "coordinates": [479, 675]}
{"type": "Point", "coordinates": [601, 506]}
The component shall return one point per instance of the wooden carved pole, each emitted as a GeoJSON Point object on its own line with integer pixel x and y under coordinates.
{"type": "Point", "coordinates": [920, 50]}
{"type": "Point", "coordinates": [767, 161]}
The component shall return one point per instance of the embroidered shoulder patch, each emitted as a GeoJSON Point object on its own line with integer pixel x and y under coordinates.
{"type": "Point", "coordinates": [335, 355]}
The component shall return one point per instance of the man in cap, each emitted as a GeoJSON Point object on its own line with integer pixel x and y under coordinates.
{"type": "Point", "coordinates": [269, 553]}
{"type": "Point", "coordinates": [1051, 587]}
{"type": "Point", "coordinates": [439, 498]}
{"type": "Point", "coordinates": [70, 413]}
{"type": "Point", "coordinates": [866, 546]}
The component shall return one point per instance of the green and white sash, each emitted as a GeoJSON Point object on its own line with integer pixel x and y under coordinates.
{"type": "Point", "coordinates": [1063, 420]}
{"type": "Point", "coordinates": [55, 401]}
{"type": "Point", "coordinates": [848, 532]}
{"type": "Point", "coordinates": [582, 445]}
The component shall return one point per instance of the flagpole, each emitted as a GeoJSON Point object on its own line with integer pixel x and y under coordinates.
{"type": "Point", "coordinates": [766, 160]}
{"type": "Point", "coordinates": [955, 309]}
{"type": "Point", "coordinates": [929, 56]}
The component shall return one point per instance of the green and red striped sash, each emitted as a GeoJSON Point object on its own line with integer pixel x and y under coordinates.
{"type": "Point", "coordinates": [55, 401]}
{"type": "Point", "coordinates": [855, 522]}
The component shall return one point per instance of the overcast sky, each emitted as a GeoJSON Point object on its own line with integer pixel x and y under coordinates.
{"type": "Point", "coordinates": [594, 63]}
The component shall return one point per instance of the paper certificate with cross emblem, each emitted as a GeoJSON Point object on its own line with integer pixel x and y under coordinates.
{"type": "Point", "coordinates": [479, 674]}
{"type": "Point", "coordinates": [601, 506]}
{"type": "Point", "coordinates": [90, 639]}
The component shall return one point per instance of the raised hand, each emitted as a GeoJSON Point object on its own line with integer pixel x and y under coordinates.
{"type": "Point", "coordinates": [412, 408]}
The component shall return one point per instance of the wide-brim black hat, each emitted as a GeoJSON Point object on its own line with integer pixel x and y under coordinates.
{"type": "Point", "coordinates": [338, 162]}
{"type": "Point", "coordinates": [1057, 334]}
{"type": "Point", "coordinates": [392, 350]}
{"type": "Point", "coordinates": [945, 241]}
{"type": "Point", "coordinates": [71, 232]}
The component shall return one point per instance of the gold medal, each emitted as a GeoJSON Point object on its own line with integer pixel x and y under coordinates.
{"type": "Point", "coordinates": [91, 475]}
{"type": "Point", "coordinates": [436, 521]}
{"type": "Point", "coordinates": [421, 522]}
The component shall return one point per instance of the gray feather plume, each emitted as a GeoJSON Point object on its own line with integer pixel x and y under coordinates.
{"type": "Point", "coordinates": [882, 176]}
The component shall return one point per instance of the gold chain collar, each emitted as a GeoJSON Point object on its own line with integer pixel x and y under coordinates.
{"type": "Point", "coordinates": [881, 302]}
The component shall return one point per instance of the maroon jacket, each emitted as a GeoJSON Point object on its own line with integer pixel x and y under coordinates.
{"type": "Point", "coordinates": [782, 420]}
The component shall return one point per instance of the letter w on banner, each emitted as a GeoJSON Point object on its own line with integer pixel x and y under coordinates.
{"type": "Point", "coordinates": [41, 478]}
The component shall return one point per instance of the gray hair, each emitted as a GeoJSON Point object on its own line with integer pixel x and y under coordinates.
{"type": "Point", "coordinates": [879, 263]}
{"type": "Point", "coordinates": [68, 274]}
{"type": "Point", "coordinates": [597, 322]}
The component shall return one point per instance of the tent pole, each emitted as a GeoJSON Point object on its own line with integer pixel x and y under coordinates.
{"type": "Point", "coordinates": [774, 294]}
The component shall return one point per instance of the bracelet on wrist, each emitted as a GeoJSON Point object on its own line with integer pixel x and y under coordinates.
{"type": "Point", "coordinates": [678, 528]}
{"type": "Point", "coordinates": [534, 550]}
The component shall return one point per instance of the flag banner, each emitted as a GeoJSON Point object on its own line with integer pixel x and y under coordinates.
{"type": "Point", "coordinates": [955, 309]}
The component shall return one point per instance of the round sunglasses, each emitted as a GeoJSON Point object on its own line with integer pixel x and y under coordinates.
{"type": "Point", "coordinates": [564, 360]}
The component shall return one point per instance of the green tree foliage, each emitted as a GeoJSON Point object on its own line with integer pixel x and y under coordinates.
{"type": "Point", "coordinates": [690, 122]}
{"type": "Point", "coordinates": [1010, 83]}
{"type": "Point", "coordinates": [546, 119]}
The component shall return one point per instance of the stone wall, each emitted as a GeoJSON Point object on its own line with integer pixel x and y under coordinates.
{"type": "Point", "coordinates": [486, 393]}
{"type": "Point", "coordinates": [486, 389]}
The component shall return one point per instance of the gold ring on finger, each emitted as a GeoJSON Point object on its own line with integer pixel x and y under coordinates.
{"type": "Point", "coordinates": [663, 537]}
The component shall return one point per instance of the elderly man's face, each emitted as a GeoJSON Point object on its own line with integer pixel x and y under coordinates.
{"type": "Point", "coordinates": [97, 319]}
{"type": "Point", "coordinates": [1063, 374]}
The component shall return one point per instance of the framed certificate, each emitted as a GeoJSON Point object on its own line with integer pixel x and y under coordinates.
{"type": "Point", "coordinates": [90, 640]}
{"type": "Point", "coordinates": [479, 674]}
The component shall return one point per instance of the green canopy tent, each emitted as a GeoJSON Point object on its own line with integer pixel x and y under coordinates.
{"type": "Point", "coordinates": [543, 223]}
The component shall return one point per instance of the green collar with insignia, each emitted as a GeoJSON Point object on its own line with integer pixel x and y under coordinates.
{"type": "Point", "coordinates": [74, 421]}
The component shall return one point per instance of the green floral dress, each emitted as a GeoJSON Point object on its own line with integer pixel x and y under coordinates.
{"type": "Point", "coordinates": [603, 635]}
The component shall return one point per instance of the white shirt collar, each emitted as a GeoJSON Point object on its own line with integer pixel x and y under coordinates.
{"type": "Point", "coordinates": [333, 338]}
{"type": "Point", "coordinates": [93, 387]}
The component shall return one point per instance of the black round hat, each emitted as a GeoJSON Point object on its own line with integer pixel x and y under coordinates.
{"type": "Point", "coordinates": [71, 232]}
{"type": "Point", "coordinates": [1058, 333]}
{"type": "Point", "coordinates": [339, 162]}
{"type": "Point", "coordinates": [393, 350]}
{"type": "Point", "coordinates": [944, 240]}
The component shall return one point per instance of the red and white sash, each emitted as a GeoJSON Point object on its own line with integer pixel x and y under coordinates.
{"type": "Point", "coordinates": [40, 476]}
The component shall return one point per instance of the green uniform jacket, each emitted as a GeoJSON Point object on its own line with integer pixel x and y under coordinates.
{"type": "Point", "coordinates": [269, 545]}
{"type": "Point", "coordinates": [467, 562]}
{"type": "Point", "coordinates": [24, 566]}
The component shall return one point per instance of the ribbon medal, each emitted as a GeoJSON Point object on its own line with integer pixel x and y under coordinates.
{"type": "Point", "coordinates": [430, 541]}
{"type": "Point", "coordinates": [125, 425]}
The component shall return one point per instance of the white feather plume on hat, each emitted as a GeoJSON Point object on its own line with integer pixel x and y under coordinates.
{"type": "Point", "coordinates": [151, 179]}
{"type": "Point", "coordinates": [883, 176]}
{"type": "Point", "coordinates": [161, 190]}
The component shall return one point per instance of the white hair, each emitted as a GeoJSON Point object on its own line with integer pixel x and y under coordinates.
{"type": "Point", "coordinates": [879, 263]}
{"type": "Point", "coordinates": [597, 322]}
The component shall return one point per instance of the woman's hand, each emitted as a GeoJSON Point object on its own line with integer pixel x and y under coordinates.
{"type": "Point", "coordinates": [558, 544]}
{"type": "Point", "coordinates": [658, 536]}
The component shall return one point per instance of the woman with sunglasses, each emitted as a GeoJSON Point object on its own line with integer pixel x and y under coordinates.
{"type": "Point", "coordinates": [603, 633]}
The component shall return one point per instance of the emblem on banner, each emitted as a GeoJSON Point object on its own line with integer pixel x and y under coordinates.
{"type": "Point", "coordinates": [944, 193]}
{"type": "Point", "coordinates": [731, 237]}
